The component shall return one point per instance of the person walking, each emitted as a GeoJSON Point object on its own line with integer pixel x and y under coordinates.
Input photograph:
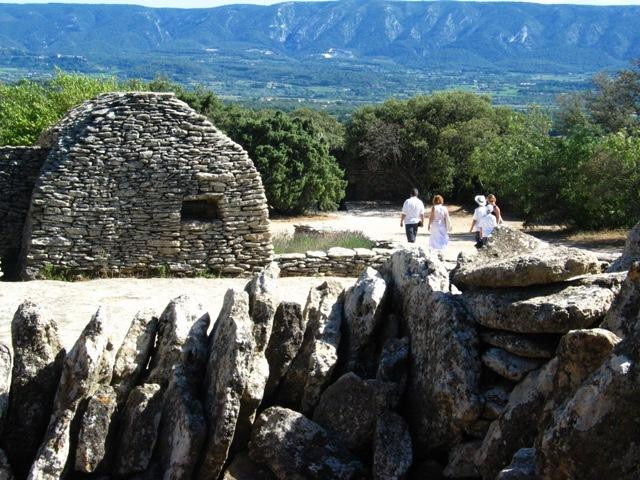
{"type": "Point", "coordinates": [412, 215]}
{"type": "Point", "coordinates": [478, 214]}
{"type": "Point", "coordinates": [491, 200]}
{"type": "Point", "coordinates": [439, 225]}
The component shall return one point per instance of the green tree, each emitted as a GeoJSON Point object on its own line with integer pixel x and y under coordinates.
{"type": "Point", "coordinates": [297, 171]}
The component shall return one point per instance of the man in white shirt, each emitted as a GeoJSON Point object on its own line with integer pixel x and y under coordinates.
{"type": "Point", "coordinates": [412, 215]}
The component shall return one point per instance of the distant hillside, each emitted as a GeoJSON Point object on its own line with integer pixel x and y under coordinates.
{"type": "Point", "coordinates": [292, 40]}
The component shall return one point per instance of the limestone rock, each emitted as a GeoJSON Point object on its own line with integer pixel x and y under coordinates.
{"type": "Point", "coordinates": [133, 355]}
{"type": "Point", "coordinates": [522, 467]}
{"type": "Point", "coordinates": [228, 371]}
{"type": "Point", "coordinates": [311, 370]}
{"type": "Point", "coordinates": [263, 293]}
{"type": "Point", "coordinates": [392, 450]}
{"type": "Point", "coordinates": [183, 426]}
{"type": "Point", "coordinates": [511, 367]}
{"type": "Point", "coordinates": [595, 431]}
{"type": "Point", "coordinates": [87, 366]}
{"type": "Point", "coordinates": [95, 435]}
{"type": "Point", "coordinates": [461, 461]}
{"type": "Point", "coordinates": [350, 407]}
{"type": "Point", "coordinates": [180, 330]}
{"type": "Point", "coordinates": [363, 305]}
{"type": "Point", "coordinates": [394, 363]}
{"type": "Point", "coordinates": [295, 448]}
{"type": "Point", "coordinates": [37, 364]}
{"type": "Point", "coordinates": [631, 252]}
{"type": "Point", "coordinates": [139, 429]}
{"type": "Point", "coordinates": [5, 468]}
{"type": "Point", "coordinates": [284, 343]}
{"type": "Point", "coordinates": [530, 345]}
{"type": "Point", "coordinates": [443, 392]}
{"type": "Point", "coordinates": [243, 468]}
{"type": "Point", "coordinates": [515, 259]}
{"type": "Point", "coordinates": [624, 313]}
{"type": "Point", "coordinates": [552, 309]}
{"type": "Point", "coordinates": [5, 381]}
{"type": "Point", "coordinates": [517, 427]}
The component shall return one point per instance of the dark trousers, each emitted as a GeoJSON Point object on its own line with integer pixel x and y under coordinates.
{"type": "Point", "coordinates": [412, 231]}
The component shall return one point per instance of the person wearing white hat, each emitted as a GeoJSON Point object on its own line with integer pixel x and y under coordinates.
{"type": "Point", "coordinates": [478, 214]}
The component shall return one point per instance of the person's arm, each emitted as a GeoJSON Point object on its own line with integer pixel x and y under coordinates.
{"type": "Point", "coordinates": [431, 216]}
{"type": "Point", "coordinates": [402, 217]}
{"type": "Point", "coordinates": [473, 224]}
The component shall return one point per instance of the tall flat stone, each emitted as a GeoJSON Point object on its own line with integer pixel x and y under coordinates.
{"type": "Point", "coordinates": [393, 365]}
{"type": "Point", "coordinates": [284, 343]}
{"type": "Point", "coordinates": [87, 366]}
{"type": "Point", "coordinates": [350, 407]}
{"type": "Point", "coordinates": [183, 426]}
{"type": "Point", "coordinates": [392, 450]}
{"type": "Point", "coordinates": [263, 301]}
{"type": "Point", "coordinates": [515, 259]}
{"type": "Point", "coordinates": [95, 435]}
{"type": "Point", "coordinates": [37, 363]}
{"type": "Point", "coordinates": [363, 312]}
{"type": "Point", "coordinates": [179, 342]}
{"type": "Point", "coordinates": [5, 382]}
{"type": "Point", "coordinates": [139, 429]}
{"type": "Point", "coordinates": [311, 370]}
{"type": "Point", "coordinates": [228, 371]}
{"type": "Point", "coordinates": [295, 448]}
{"type": "Point", "coordinates": [133, 355]}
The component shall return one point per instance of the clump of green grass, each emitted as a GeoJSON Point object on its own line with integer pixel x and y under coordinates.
{"type": "Point", "coordinates": [302, 242]}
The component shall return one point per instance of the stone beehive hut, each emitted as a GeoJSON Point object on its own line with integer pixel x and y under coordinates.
{"type": "Point", "coordinates": [139, 182]}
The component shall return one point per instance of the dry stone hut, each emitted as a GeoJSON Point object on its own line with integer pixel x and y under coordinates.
{"type": "Point", "coordinates": [139, 182]}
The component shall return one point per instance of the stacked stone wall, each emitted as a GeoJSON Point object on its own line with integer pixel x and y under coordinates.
{"type": "Point", "coordinates": [335, 262]}
{"type": "Point", "coordinates": [19, 168]}
{"type": "Point", "coordinates": [111, 194]}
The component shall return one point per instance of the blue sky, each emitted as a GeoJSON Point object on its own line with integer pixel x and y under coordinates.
{"type": "Point", "coordinates": [216, 3]}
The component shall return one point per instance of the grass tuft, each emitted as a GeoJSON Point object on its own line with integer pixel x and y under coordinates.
{"type": "Point", "coordinates": [303, 242]}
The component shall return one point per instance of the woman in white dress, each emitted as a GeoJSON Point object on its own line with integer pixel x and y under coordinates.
{"type": "Point", "coordinates": [439, 224]}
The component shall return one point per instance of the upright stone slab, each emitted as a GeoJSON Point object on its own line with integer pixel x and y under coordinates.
{"type": "Point", "coordinates": [284, 343]}
{"type": "Point", "coordinates": [515, 259]}
{"type": "Point", "coordinates": [87, 366]}
{"type": "Point", "coordinates": [133, 355]}
{"type": "Point", "coordinates": [296, 448]}
{"type": "Point", "coordinates": [228, 372]}
{"type": "Point", "coordinates": [263, 301]}
{"type": "Point", "coordinates": [311, 370]}
{"type": "Point", "coordinates": [392, 449]}
{"type": "Point", "coordinates": [363, 311]}
{"type": "Point", "coordinates": [181, 330]}
{"type": "Point", "coordinates": [5, 382]}
{"type": "Point", "coordinates": [37, 363]}
{"type": "Point", "coordinates": [139, 429]}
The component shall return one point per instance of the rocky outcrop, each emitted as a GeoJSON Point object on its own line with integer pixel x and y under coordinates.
{"type": "Point", "coordinates": [295, 448]}
{"type": "Point", "coordinates": [311, 370]}
{"type": "Point", "coordinates": [631, 252]}
{"type": "Point", "coordinates": [515, 259]}
{"type": "Point", "coordinates": [37, 363]}
{"type": "Point", "coordinates": [363, 311]}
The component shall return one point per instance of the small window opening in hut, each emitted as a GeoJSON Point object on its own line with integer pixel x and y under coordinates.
{"type": "Point", "coordinates": [200, 210]}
